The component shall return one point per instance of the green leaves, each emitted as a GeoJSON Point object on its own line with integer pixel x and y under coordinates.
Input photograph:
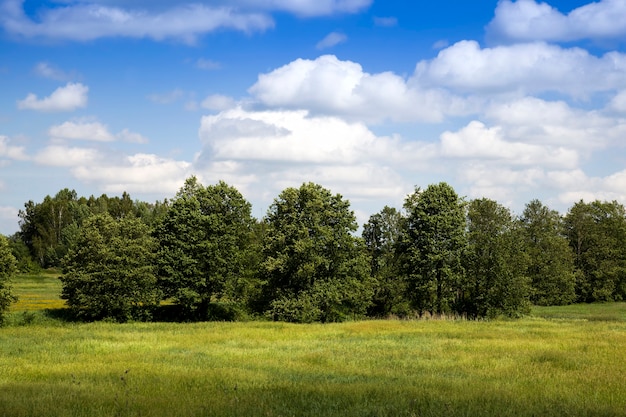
{"type": "Point", "coordinates": [204, 245]}
{"type": "Point", "coordinates": [8, 268]}
{"type": "Point", "coordinates": [432, 247]}
{"type": "Point", "coordinates": [314, 268]}
{"type": "Point", "coordinates": [109, 273]}
{"type": "Point", "coordinates": [597, 235]}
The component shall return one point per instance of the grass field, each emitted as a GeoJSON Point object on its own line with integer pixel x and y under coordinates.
{"type": "Point", "coordinates": [566, 361]}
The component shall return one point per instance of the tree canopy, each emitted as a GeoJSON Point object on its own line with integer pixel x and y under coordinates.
{"type": "Point", "coordinates": [203, 241]}
{"type": "Point", "coordinates": [109, 272]}
{"type": "Point", "coordinates": [314, 267]}
{"type": "Point", "coordinates": [432, 248]}
{"type": "Point", "coordinates": [205, 256]}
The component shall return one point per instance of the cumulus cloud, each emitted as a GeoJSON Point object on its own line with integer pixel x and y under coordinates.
{"type": "Point", "coordinates": [527, 20]}
{"type": "Point", "coordinates": [576, 185]}
{"type": "Point", "coordinates": [477, 141]}
{"type": "Point", "coordinates": [285, 148]}
{"type": "Point", "coordinates": [555, 123]}
{"type": "Point", "coordinates": [332, 39]}
{"type": "Point", "coordinates": [88, 21]}
{"type": "Point", "coordinates": [68, 98]}
{"type": "Point", "coordinates": [330, 86]}
{"type": "Point", "coordinates": [522, 68]}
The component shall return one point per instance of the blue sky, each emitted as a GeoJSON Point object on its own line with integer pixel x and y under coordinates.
{"type": "Point", "coordinates": [510, 100]}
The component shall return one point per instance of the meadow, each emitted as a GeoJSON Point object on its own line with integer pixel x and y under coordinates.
{"type": "Point", "coordinates": [558, 361]}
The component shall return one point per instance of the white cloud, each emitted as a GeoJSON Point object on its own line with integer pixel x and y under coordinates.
{"type": "Point", "coordinates": [277, 149]}
{"type": "Point", "coordinates": [11, 152]}
{"type": "Point", "coordinates": [68, 98]}
{"type": "Point", "coordinates": [522, 69]}
{"type": "Point", "coordinates": [330, 86]}
{"type": "Point", "coordinates": [64, 156]}
{"type": "Point", "coordinates": [93, 131]}
{"type": "Point", "coordinates": [476, 141]}
{"type": "Point", "coordinates": [88, 21]}
{"type": "Point", "coordinates": [332, 39]}
{"type": "Point", "coordinates": [142, 173]}
{"type": "Point", "coordinates": [618, 102]}
{"type": "Point", "coordinates": [576, 185]}
{"type": "Point", "coordinates": [555, 123]}
{"type": "Point", "coordinates": [295, 137]}
{"type": "Point", "coordinates": [527, 20]}
{"type": "Point", "coordinates": [114, 172]}
{"type": "Point", "coordinates": [218, 102]}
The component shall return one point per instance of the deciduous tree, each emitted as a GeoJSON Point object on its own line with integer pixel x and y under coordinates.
{"type": "Point", "coordinates": [314, 267]}
{"type": "Point", "coordinates": [109, 273]}
{"type": "Point", "coordinates": [382, 235]}
{"type": "Point", "coordinates": [551, 268]}
{"type": "Point", "coordinates": [597, 235]}
{"type": "Point", "coordinates": [495, 263]}
{"type": "Point", "coordinates": [204, 240]}
{"type": "Point", "coordinates": [433, 244]}
{"type": "Point", "coordinates": [8, 268]}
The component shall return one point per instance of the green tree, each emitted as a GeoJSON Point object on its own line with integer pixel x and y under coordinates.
{"type": "Point", "coordinates": [382, 235]}
{"type": "Point", "coordinates": [495, 262]}
{"type": "Point", "coordinates": [432, 247]}
{"type": "Point", "coordinates": [597, 235]}
{"type": "Point", "coordinates": [204, 243]}
{"type": "Point", "coordinates": [109, 273]}
{"type": "Point", "coordinates": [315, 269]}
{"type": "Point", "coordinates": [8, 268]}
{"type": "Point", "coordinates": [43, 225]}
{"type": "Point", "coordinates": [551, 268]}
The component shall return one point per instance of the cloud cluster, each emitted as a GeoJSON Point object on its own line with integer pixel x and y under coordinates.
{"type": "Point", "coordinates": [527, 20]}
{"type": "Point", "coordinates": [526, 68]}
{"type": "Point", "coordinates": [505, 121]}
{"type": "Point", "coordinates": [328, 86]}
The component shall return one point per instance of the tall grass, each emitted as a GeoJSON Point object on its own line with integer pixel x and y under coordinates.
{"type": "Point", "coordinates": [531, 367]}
{"type": "Point", "coordinates": [567, 362]}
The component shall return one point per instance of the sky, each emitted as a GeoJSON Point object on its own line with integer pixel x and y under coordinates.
{"type": "Point", "coordinates": [508, 100]}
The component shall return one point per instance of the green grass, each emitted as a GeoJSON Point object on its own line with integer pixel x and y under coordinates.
{"type": "Point", "coordinates": [37, 291]}
{"type": "Point", "coordinates": [562, 361]}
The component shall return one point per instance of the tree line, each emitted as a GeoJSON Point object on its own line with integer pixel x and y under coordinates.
{"type": "Point", "coordinates": [201, 255]}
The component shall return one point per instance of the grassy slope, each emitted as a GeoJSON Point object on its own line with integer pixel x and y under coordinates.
{"type": "Point", "coordinates": [564, 365]}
